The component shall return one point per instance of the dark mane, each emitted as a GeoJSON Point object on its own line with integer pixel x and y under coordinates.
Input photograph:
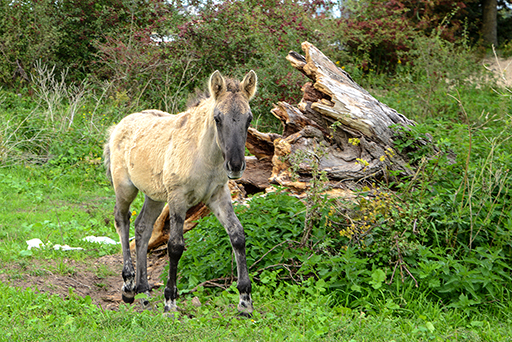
{"type": "Point", "coordinates": [233, 85]}
{"type": "Point", "coordinates": [195, 99]}
{"type": "Point", "coordinates": [199, 96]}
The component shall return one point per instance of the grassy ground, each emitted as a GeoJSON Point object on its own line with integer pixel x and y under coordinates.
{"type": "Point", "coordinates": [38, 317]}
{"type": "Point", "coordinates": [62, 206]}
{"type": "Point", "coordinates": [29, 316]}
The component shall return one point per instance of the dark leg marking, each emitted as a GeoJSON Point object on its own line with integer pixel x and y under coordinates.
{"type": "Point", "coordinates": [222, 207]}
{"type": "Point", "coordinates": [175, 248]}
{"type": "Point", "coordinates": [122, 221]}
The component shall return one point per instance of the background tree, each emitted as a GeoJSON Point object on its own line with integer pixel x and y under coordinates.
{"type": "Point", "coordinates": [29, 30]}
{"type": "Point", "coordinates": [489, 22]}
{"type": "Point", "coordinates": [144, 47]}
{"type": "Point", "coordinates": [482, 21]}
{"type": "Point", "coordinates": [64, 33]}
{"type": "Point", "coordinates": [381, 32]}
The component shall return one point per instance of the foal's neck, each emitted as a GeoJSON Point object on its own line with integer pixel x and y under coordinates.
{"type": "Point", "coordinates": [206, 132]}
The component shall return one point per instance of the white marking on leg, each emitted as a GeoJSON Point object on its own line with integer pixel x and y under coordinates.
{"type": "Point", "coordinates": [128, 288]}
{"type": "Point", "coordinates": [245, 304]}
{"type": "Point", "coordinates": [170, 305]}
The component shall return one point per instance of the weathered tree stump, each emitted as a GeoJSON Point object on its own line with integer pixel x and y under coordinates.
{"type": "Point", "coordinates": [337, 122]}
{"type": "Point", "coordinates": [338, 129]}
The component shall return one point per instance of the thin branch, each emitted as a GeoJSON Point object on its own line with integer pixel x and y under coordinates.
{"type": "Point", "coordinates": [213, 282]}
{"type": "Point", "coordinates": [270, 250]}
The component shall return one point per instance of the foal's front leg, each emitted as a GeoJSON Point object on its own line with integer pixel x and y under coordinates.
{"type": "Point", "coordinates": [220, 204]}
{"type": "Point", "coordinates": [175, 248]}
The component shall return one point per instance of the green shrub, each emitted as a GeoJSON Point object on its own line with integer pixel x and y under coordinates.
{"type": "Point", "coordinates": [380, 34]}
{"type": "Point", "coordinates": [65, 34]}
{"type": "Point", "coordinates": [235, 36]}
{"type": "Point", "coordinates": [270, 221]}
{"type": "Point", "coordinates": [29, 31]}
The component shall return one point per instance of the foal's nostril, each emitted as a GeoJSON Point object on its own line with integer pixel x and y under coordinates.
{"type": "Point", "coordinates": [229, 167]}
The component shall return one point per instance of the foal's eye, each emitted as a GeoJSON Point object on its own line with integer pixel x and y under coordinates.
{"type": "Point", "coordinates": [217, 118]}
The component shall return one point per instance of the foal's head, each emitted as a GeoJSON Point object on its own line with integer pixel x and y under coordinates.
{"type": "Point", "coordinates": [232, 116]}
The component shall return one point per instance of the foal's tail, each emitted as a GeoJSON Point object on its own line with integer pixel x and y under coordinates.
{"type": "Point", "coordinates": [106, 155]}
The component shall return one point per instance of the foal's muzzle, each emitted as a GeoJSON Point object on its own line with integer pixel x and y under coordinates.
{"type": "Point", "coordinates": [235, 173]}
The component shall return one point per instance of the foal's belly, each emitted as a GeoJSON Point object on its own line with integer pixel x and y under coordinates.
{"type": "Point", "coordinates": [195, 190]}
{"type": "Point", "coordinates": [148, 180]}
{"type": "Point", "coordinates": [185, 192]}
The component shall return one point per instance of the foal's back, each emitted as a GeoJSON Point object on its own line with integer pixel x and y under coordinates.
{"type": "Point", "coordinates": [160, 153]}
{"type": "Point", "coordinates": [139, 145]}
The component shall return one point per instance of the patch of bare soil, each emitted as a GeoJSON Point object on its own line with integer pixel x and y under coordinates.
{"type": "Point", "coordinates": [100, 279]}
{"type": "Point", "coordinates": [501, 68]}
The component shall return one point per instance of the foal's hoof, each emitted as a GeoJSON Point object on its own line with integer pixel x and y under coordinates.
{"type": "Point", "coordinates": [245, 314]}
{"type": "Point", "coordinates": [126, 299]}
{"type": "Point", "coordinates": [245, 309]}
{"type": "Point", "coordinates": [128, 292]}
{"type": "Point", "coordinates": [171, 312]}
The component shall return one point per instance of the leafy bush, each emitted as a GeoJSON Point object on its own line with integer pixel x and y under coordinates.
{"type": "Point", "coordinates": [381, 33]}
{"type": "Point", "coordinates": [270, 221]}
{"type": "Point", "coordinates": [235, 36]}
{"type": "Point", "coordinates": [89, 23]}
{"type": "Point", "coordinates": [447, 229]}
{"type": "Point", "coordinates": [63, 34]}
{"type": "Point", "coordinates": [232, 37]}
{"type": "Point", "coordinates": [28, 32]}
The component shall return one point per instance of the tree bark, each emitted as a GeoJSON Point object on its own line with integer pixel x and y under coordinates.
{"type": "Point", "coordinates": [490, 22]}
{"type": "Point", "coordinates": [338, 128]}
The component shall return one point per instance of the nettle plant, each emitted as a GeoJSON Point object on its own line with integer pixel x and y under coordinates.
{"type": "Point", "coordinates": [316, 200]}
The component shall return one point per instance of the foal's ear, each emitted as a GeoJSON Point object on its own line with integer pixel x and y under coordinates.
{"type": "Point", "coordinates": [217, 84]}
{"type": "Point", "coordinates": [249, 84]}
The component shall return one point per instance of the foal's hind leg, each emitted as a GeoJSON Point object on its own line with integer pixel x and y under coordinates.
{"type": "Point", "coordinates": [125, 194]}
{"type": "Point", "coordinates": [221, 205]}
{"type": "Point", "coordinates": [143, 229]}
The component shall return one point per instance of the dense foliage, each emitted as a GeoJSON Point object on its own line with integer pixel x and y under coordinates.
{"type": "Point", "coordinates": [383, 32]}
{"type": "Point", "coordinates": [153, 53]}
{"type": "Point", "coordinates": [65, 33]}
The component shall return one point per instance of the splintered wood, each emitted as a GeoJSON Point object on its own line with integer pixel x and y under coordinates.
{"type": "Point", "coordinates": [337, 124]}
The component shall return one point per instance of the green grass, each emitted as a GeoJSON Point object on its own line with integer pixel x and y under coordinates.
{"type": "Point", "coordinates": [57, 206]}
{"type": "Point", "coordinates": [26, 315]}
{"type": "Point", "coordinates": [284, 311]}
